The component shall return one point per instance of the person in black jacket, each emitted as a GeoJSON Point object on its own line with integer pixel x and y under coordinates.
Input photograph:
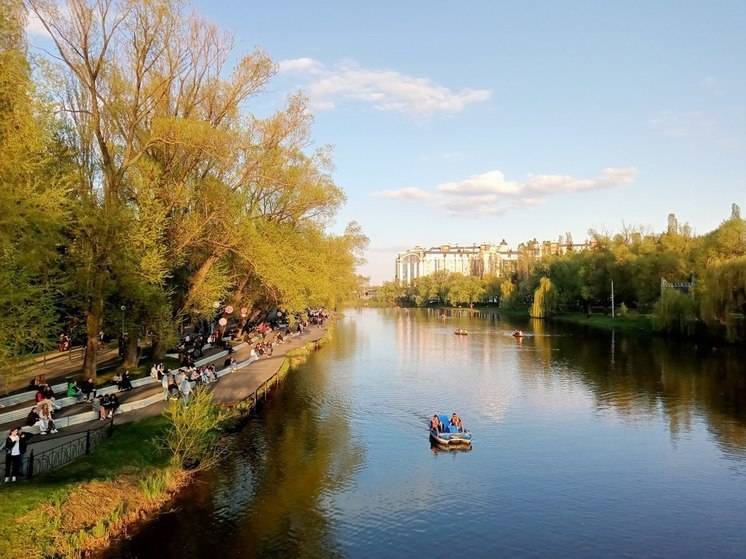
{"type": "Point", "coordinates": [15, 448]}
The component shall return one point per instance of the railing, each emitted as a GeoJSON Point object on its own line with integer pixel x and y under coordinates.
{"type": "Point", "coordinates": [53, 458]}
{"type": "Point", "coordinates": [261, 392]}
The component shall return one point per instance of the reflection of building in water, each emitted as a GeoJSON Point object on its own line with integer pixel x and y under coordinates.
{"type": "Point", "coordinates": [476, 260]}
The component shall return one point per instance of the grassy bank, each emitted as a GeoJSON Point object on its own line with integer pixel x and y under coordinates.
{"type": "Point", "coordinates": [631, 322]}
{"type": "Point", "coordinates": [82, 506]}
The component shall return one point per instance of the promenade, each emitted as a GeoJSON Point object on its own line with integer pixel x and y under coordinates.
{"type": "Point", "coordinates": [230, 388]}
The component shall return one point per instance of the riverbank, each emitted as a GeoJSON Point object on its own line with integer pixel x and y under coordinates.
{"type": "Point", "coordinates": [632, 322]}
{"type": "Point", "coordinates": [130, 477]}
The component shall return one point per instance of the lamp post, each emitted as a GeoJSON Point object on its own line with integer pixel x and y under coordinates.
{"type": "Point", "coordinates": [123, 309]}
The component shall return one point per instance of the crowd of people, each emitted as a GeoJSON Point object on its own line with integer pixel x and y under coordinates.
{"type": "Point", "coordinates": [180, 384]}
{"type": "Point", "coordinates": [177, 384]}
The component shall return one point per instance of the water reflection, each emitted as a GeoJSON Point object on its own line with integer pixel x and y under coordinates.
{"type": "Point", "coordinates": [574, 430]}
{"type": "Point", "coordinates": [270, 496]}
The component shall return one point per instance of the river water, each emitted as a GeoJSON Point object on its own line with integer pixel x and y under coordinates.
{"type": "Point", "coordinates": [586, 444]}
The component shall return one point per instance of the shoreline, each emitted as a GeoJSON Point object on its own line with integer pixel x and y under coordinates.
{"type": "Point", "coordinates": [87, 506]}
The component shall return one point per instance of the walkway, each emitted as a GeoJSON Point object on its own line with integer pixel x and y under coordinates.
{"type": "Point", "coordinates": [229, 389]}
{"type": "Point", "coordinates": [244, 382]}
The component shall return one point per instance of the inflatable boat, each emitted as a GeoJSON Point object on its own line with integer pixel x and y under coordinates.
{"type": "Point", "coordinates": [449, 435]}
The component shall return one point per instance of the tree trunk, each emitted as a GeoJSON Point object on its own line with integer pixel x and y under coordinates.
{"type": "Point", "coordinates": [158, 350]}
{"type": "Point", "coordinates": [93, 327]}
{"type": "Point", "coordinates": [132, 353]}
{"type": "Point", "coordinates": [199, 278]}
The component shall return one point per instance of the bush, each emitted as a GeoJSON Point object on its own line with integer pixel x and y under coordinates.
{"type": "Point", "coordinates": [192, 434]}
{"type": "Point", "coordinates": [675, 313]}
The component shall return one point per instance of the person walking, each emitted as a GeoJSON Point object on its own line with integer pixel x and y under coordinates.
{"type": "Point", "coordinates": [15, 448]}
{"type": "Point", "coordinates": [186, 390]}
{"type": "Point", "coordinates": [164, 384]}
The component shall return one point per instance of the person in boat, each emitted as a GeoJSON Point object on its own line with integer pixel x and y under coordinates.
{"type": "Point", "coordinates": [456, 421]}
{"type": "Point", "coordinates": [435, 423]}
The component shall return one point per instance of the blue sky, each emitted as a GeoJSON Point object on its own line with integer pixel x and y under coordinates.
{"type": "Point", "coordinates": [482, 120]}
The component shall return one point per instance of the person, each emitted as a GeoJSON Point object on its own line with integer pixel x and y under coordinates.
{"type": "Point", "coordinates": [456, 421]}
{"type": "Point", "coordinates": [113, 405]}
{"type": "Point", "coordinates": [15, 448]}
{"type": "Point", "coordinates": [73, 391]}
{"type": "Point", "coordinates": [435, 423]}
{"type": "Point", "coordinates": [46, 423]}
{"type": "Point", "coordinates": [88, 388]}
{"type": "Point", "coordinates": [173, 387]}
{"type": "Point", "coordinates": [164, 385]}
{"type": "Point", "coordinates": [32, 418]}
{"type": "Point", "coordinates": [104, 402]}
{"type": "Point", "coordinates": [125, 383]}
{"type": "Point", "coordinates": [186, 389]}
{"type": "Point", "coordinates": [98, 408]}
{"type": "Point", "coordinates": [38, 381]}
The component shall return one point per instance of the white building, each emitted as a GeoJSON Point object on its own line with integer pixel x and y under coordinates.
{"type": "Point", "coordinates": [474, 260]}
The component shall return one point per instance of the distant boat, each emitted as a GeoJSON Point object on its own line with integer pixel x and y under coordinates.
{"type": "Point", "coordinates": [461, 332]}
{"type": "Point", "coordinates": [518, 334]}
{"type": "Point", "coordinates": [449, 436]}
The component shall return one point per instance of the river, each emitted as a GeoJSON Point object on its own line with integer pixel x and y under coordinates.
{"type": "Point", "coordinates": [586, 444]}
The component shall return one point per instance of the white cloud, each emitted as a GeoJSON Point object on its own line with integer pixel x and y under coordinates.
{"type": "Point", "coordinates": [384, 90]}
{"type": "Point", "coordinates": [299, 65]}
{"type": "Point", "coordinates": [491, 193]}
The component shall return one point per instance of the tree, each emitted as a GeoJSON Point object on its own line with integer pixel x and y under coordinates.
{"type": "Point", "coordinates": [675, 312]}
{"type": "Point", "coordinates": [34, 177]}
{"type": "Point", "coordinates": [464, 290]}
{"type": "Point", "coordinates": [545, 299]}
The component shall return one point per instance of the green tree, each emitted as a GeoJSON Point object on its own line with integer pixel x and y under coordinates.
{"type": "Point", "coordinates": [35, 178]}
{"type": "Point", "coordinates": [545, 299]}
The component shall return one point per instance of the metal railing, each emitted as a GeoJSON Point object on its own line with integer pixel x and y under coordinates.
{"type": "Point", "coordinates": [57, 456]}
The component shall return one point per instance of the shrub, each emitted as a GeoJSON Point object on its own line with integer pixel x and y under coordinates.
{"type": "Point", "coordinates": [675, 312]}
{"type": "Point", "coordinates": [192, 434]}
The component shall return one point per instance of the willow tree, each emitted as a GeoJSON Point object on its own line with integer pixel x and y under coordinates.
{"type": "Point", "coordinates": [33, 176]}
{"type": "Point", "coordinates": [722, 293]}
{"type": "Point", "coordinates": [148, 102]}
{"type": "Point", "coordinates": [545, 299]}
{"type": "Point", "coordinates": [255, 225]}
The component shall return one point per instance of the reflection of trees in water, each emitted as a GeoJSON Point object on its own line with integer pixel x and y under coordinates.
{"type": "Point", "coordinates": [297, 454]}
{"type": "Point", "coordinates": [637, 376]}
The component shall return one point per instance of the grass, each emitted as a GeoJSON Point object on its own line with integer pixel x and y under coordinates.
{"type": "Point", "coordinates": [631, 322]}
{"type": "Point", "coordinates": [80, 508]}
{"type": "Point", "coordinates": [74, 508]}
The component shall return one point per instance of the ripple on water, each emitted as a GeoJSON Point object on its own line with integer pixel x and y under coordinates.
{"type": "Point", "coordinates": [584, 447]}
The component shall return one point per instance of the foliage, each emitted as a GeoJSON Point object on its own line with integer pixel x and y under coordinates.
{"type": "Point", "coordinates": [722, 293]}
{"type": "Point", "coordinates": [192, 434]}
{"type": "Point", "coordinates": [134, 176]}
{"type": "Point", "coordinates": [545, 300]}
{"type": "Point", "coordinates": [675, 312]}
{"type": "Point", "coordinates": [34, 180]}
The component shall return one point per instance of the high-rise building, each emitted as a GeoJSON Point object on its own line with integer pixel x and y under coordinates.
{"type": "Point", "coordinates": [474, 260]}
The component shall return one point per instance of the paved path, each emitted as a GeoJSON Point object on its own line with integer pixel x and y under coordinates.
{"type": "Point", "coordinates": [229, 389]}
{"type": "Point", "coordinates": [241, 384]}
{"type": "Point", "coordinates": [57, 367]}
